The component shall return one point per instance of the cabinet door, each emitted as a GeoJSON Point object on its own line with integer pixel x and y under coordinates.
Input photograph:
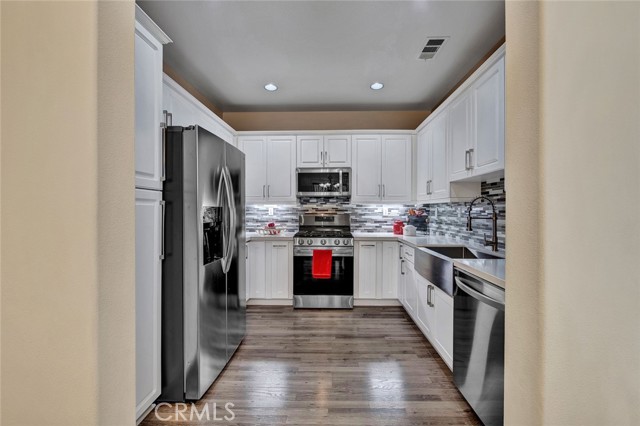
{"type": "Point", "coordinates": [337, 151]}
{"type": "Point", "coordinates": [256, 270]}
{"type": "Point", "coordinates": [488, 123]}
{"type": "Point", "coordinates": [281, 164]}
{"type": "Point", "coordinates": [423, 162]}
{"type": "Point", "coordinates": [401, 281]}
{"type": "Point", "coordinates": [411, 290]}
{"type": "Point", "coordinates": [424, 319]}
{"type": "Point", "coordinates": [367, 151]}
{"type": "Point", "coordinates": [279, 260]}
{"type": "Point", "coordinates": [396, 168]}
{"type": "Point", "coordinates": [390, 257]}
{"type": "Point", "coordinates": [255, 153]}
{"type": "Point", "coordinates": [459, 131]}
{"type": "Point", "coordinates": [148, 296]}
{"type": "Point", "coordinates": [439, 187]}
{"type": "Point", "coordinates": [148, 99]}
{"type": "Point", "coordinates": [443, 324]}
{"type": "Point", "coordinates": [310, 151]}
{"type": "Point", "coordinates": [367, 277]}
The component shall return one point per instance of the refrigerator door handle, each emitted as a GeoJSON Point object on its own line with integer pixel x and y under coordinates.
{"type": "Point", "coordinates": [231, 242]}
{"type": "Point", "coordinates": [222, 185]}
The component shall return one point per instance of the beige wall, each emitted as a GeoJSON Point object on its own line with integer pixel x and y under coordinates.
{"type": "Point", "coordinates": [67, 213]}
{"type": "Point", "coordinates": [573, 172]}
{"type": "Point", "coordinates": [325, 120]}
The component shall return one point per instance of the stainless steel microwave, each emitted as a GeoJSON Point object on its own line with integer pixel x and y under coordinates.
{"type": "Point", "coordinates": [323, 182]}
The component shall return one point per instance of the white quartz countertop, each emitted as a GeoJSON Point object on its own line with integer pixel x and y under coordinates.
{"type": "Point", "coordinates": [417, 241]}
{"type": "Point", "coordinates": [491, 270]}
{"type": "Point", "coordinates": [254, 236]}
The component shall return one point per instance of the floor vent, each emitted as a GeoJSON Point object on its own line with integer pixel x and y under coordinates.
{"type": "Point", "coordinates": [433, 46]}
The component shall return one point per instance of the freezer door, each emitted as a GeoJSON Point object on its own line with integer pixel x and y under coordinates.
{"type": "Point", "coordinates": [236, 275]}
{"type": "Point", "coordinates": [205, 282]}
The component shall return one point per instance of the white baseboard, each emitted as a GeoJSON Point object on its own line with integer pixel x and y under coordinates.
{"type": "Point", "coordinates": [270, 302]}
{"type": "Point", "coordinates": [376, 302]}
{"type": "Point", "coordinates": [356, 302]}
{"type": "Point", "coordinates": [145, 414]}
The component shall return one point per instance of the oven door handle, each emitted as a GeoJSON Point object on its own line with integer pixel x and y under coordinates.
{"type": "Point", "coordinates": [479, 296]}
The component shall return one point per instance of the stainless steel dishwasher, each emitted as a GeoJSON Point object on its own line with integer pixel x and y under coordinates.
{"type": "Point", "coordinates": [478, 345]}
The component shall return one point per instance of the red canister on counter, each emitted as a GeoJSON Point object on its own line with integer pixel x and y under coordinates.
{"type": "Point", "coordinates": [398, 225]}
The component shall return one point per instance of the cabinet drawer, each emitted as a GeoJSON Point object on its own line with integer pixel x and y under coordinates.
{"type": "Point", "coordinates": [407, 253]}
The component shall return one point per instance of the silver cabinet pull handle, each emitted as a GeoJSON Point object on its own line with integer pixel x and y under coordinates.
{"type": "Point", "coordinates": [466, 160]}
{"type": "Point", "coordinates": [263, 190]}
{"type": "Point", "coordinates": [162, 252]}
{"type": "Point", "coordinates": [322, 157]}
{"type": "Point", "coordinates": [384, 191]}
{"type": "Point", "coordinates": [280, 245]}
{"type": "Point", "coordinates": [471, 159]}
{"type": "Point", "coordinates": [401, 264]}
{"type": "Point", "coordinates": [379, 190]}
{"type": "Point", "coordinates": [428, 295]}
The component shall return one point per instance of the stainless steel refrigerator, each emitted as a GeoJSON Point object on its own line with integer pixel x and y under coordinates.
{"type": "Point", "coordinates": [203, 273]}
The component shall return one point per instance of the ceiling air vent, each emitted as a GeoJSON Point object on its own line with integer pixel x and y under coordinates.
{"type": "Point", "coordinates": [433, 46]}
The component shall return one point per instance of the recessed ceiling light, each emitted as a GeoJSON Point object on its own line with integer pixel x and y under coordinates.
{"type": "Point", "coordinates": [377, 85]}
{"type": "Point", "coordinates": [270, 87]}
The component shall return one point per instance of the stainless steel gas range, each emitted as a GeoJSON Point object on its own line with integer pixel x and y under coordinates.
{"type": "Point", "coordinates": [317, 233]}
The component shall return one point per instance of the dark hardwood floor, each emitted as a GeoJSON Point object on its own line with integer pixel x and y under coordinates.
{"type": "Point", "coordinates": [366, 366]}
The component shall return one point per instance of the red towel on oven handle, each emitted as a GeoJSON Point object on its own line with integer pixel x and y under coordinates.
{"type": "Point", "coordinates": [321, 264]}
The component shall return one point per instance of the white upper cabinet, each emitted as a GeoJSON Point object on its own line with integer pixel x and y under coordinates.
{"type": "Point", "coordinates": [186, 110]}
{"type": "Point", "coordinates": [310, 151]}
{"type": "Point", "coordinates": [432, 178]}
{"type": "Point", "coordinates": [460, 140]}
{"type": "Point", "coordinates": [382, 168]}
{"type": "Point", "coordinates": [396, 168]}
{"type": "Point", "coordinates": [337, 151]}
{"type": "Point", "coordinates": [148, 99]}
{"type": "Point", "coordinates": [367, 162]}
{"type": "Point", "coordinates": [269, 168]}
{"type": "Point", "coordinates": [255, 153]}
{"type": "Point", "coordinates": [324, 151]}
{"type": "Point", "coordinates": [488, 120]}
{"type": "Point", "coordinates": [477, 125]}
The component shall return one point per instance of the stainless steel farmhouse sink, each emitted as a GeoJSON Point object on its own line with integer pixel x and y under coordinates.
{"type": "Point", "coordinates": [436, 263]}
{"type": "Point", "coordinates": [461, 252]}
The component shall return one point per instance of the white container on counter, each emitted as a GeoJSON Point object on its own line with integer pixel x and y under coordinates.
{"type": "Point", "coordinates": [409, 231]}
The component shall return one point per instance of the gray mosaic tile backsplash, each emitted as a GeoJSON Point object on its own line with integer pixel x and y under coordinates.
{"type": "Point", "coordinates": [448, 220]}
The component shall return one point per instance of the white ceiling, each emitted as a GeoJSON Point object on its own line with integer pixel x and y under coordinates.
{"type": "Point", "coordinates": [323, 55]}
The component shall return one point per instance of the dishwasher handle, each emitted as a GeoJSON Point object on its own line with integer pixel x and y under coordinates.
{"type": "Point", "coordinates": [479, 296]}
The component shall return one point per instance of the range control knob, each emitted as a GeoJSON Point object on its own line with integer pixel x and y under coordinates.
{"type": "Point", "coordinates": [300, 241]}
{"type": "Point", "coordinates": [336, 242]}
{"type": "Point", "coordinates": [345, 242]}
{"type": "Point", "coordinates": [323, 242]}
{"type": "Point", "coordinates": [309, 241]}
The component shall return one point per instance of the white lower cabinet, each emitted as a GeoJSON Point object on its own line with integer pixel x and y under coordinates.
{"type": "Point", "coordinates": [377, 270]}
{"type": "Point", "coordinates": [279, 266]}
{"type": "Point", "coordinates": [443, 319]}
{"type": "Point", "coordinates": [435, 318]}
{"type": "Point", "coordinates": [148, 297]}
{"type": "Point", "coordinates": [367, 270]}
{"type": "Point", "coordinates": [256, 270]}
{"type": "Point", "coordinates": [270, 270]}
{"type": "Point", "coordinates": [429, 307]}
{"type": "Point", "coordinates": [410, 288]}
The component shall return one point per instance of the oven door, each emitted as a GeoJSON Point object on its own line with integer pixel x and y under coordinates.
{"type": "Point", "coordinates": [341, 281]}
